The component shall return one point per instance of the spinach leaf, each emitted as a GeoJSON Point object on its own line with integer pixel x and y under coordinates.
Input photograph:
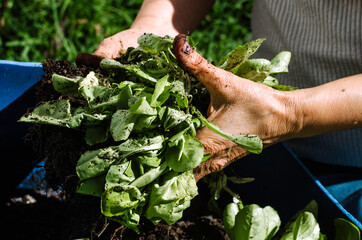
{"type": "Point", "coordinates": [96, 134]}
{"type": "Point", "coordinates": [251, 143]}
{"type": "Point", "coordinates": [345, 230]}
{"type": "Point", "coordinates": [116, 175]}
{"type": "Point", "coordinates": [171, 196]}
{"type": "Point", "coordinates": [250, 223]}
{"type": "Point", "coordinates": [119, 200]}
{"type": "Point", "coordinates": [229, 215]}
{"type": "Point", "coordinates": [185, 155]}
{"type": "Point", "coordinates": [96, 162]}
{"type": "Point", "coordinates": [155, 44]}
{"type": "Point", "coordinates": [92, 186]}
{"type": "Point", "coordinates": [54, 113]}
{"type": "Point", "coordinates": [239, 55]}
{"type": "Point", "coordinates": [122, 124]}
{"type": "Point", "coordinates": [304, 227]}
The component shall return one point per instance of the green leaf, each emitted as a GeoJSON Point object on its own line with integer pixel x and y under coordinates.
{"type": "Point", "coordinates": [149, 161]}
{"type": "Point", "coordinates": [186, 155]}
{"type": "Point", "coordinates": [83, 117]}
{"type": "Point", "coordinates": [141, 106]}
{"type": "Point", "coordinates": [229, 215]}
{"type": "Point", "coordinates": [279, 64]}
{"type": "Point", "coordinates": [345, 230]}
{"type": "Point", "coordinates": [131, 218]}
{"type": "Point", "coordinates": [134, 146]}
{"type": "Point", "coordinates": [119, 200]}
{"type": "Point", "coordinates": [232, 61]}
{"type": "Point", "coordinates": [284, 88]}
{"type": "Point", "coordinates": [92, 186]}
{"type": "Point", "coordinates": [96, 134]}
{"type": "Point", "coordinates": [144, 122]}
{"type": "Point", "coordinates": [126, 93]}
{"type": "Point", "coordinates": [178, 91]}
{"type": "Point", "coordinates": [116, 175]}
{"type": "Point", "coordinates": [251, 143]}
{"type": "Point", "coordinates": [135, 70]}
{"type": "Point", "coordinates": [96, 162]}
{"type": "Point", "coordinates": [174, 117]}
{"type": "Point", "coordinates": [273, 221]}
{"type": "Point", "coordinates": [155, 44]}
{"type": "Point", "coordinates": [70, 86]}
{"type": "Point", "coordinates": [54, 113]}
{"type": "Point", "coordinates": [149, 176]}
{"type": "Point", "coordinates": [304, 227]}
{"type": "Point", "coordinates": [170, 197]}
{"type": "Point", "coordinates": [122, 124]}
{"type": "Point", "coordinates": [161, 93]}
{"type": "Point", "coordinates": [156, 67]}
{"type": "Point", "coordinates": [101, 98]}
{"type": "Point", "coordinates": [255, 69]}
{"type": "Point", "coordinates": [250, 223]}
{"type": "Point", "coordinates": [66, 86]}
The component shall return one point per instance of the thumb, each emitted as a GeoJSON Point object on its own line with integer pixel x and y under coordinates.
{"type": "Point", "coordinates": [215, 79]}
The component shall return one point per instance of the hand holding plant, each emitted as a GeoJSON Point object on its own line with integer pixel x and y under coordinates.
{"type": "Point", "coordinates": [237, 106]}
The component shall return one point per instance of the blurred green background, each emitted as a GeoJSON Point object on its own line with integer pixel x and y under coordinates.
{"type": "Point", "coordinates": [32, 31]}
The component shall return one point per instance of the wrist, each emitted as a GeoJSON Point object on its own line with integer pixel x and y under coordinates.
{"type": "Point", "coordinates": [150, 25]}
{"type": "Point", "coordinates": [155, 16]}
{"type": "Point", "coordinates": [292, 114]}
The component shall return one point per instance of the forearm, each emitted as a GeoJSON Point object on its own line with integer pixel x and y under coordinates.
{"type": "Point", "coordinates": [330, 107]}
{"type": "Point", "coordinates": [170, 17]}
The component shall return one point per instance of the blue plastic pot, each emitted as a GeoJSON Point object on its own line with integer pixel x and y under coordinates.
{"type": "Point", "coordinates": [281, 179]}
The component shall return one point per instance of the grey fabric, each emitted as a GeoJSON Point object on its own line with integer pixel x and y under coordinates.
{"type": "Point", "coordinates": [325, 38]}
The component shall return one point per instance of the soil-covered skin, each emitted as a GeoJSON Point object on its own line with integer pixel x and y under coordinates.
{"type": "Point", "coordinates": [67, 215]}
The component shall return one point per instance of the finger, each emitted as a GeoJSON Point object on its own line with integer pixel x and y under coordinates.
{"type": "Point", "coordinates": [216, 80]}
{"type": "Point", "coordinates": [88, 60]}
{"type": "Point", "coordinates": [219, 161]}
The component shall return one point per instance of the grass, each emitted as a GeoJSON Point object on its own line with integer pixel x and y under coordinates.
{"type": "Point", "coordinates": [53, 29]}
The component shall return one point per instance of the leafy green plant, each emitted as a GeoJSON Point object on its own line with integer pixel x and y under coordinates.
{"type": "Point", "coordinates": [141, 109]}
{"type": "Point", "coordinates": [253, 222]}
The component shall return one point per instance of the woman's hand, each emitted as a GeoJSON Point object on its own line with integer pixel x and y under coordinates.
{"type": "Point", "coordinates": [237, 106]}
{"type": "Point", "coordinates": [110, 47]}
{"type": "Point", "coordinates": [240, 106]}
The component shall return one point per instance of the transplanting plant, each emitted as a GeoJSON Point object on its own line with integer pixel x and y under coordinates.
{"type": "Point", "coordinates": [141, 107]}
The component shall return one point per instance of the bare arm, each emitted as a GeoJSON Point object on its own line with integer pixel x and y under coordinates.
{"type": "Point", "coordinates": [171, 17]}
{"type": "Point", "coordinates": [330, 107]}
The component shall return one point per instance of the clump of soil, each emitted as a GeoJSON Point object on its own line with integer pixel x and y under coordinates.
{"type": "Point", "coordinates": [71, 215]}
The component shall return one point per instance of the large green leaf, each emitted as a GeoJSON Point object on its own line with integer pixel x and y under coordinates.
{"type": "Point", "coordinates": [304, 227]}
{"type": "Point", "coordinates": [96, 162]}
{"type": "Point", "coordinates": [92, 186]}
{"type": "Point", "coordinates": [346, 230]}
{"type": "Point", "coordinates": [119, 200]}
{"type": "Point", "coordinates": [54, 113]}
{"type": "Point", "coordinates": [171, 196]}
{"type": "Point", "coordinates": [250, 223]}
{"type": "Point", "coordinates": [185, 155]}
{"type": "Point", "coordinates": [122, 124]}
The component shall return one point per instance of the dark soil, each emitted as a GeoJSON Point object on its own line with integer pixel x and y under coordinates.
{"type": "Point", "coordinates": [43, 214]}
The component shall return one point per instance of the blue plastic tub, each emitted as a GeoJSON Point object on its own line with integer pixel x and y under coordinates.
{"type": "Point", "coordinates": [281, 179]}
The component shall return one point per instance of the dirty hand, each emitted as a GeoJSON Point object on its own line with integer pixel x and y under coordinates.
{"type": "Point", "coordinates": [110, 47]}
{"type": "Point", "coordinates": [237, 106]}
